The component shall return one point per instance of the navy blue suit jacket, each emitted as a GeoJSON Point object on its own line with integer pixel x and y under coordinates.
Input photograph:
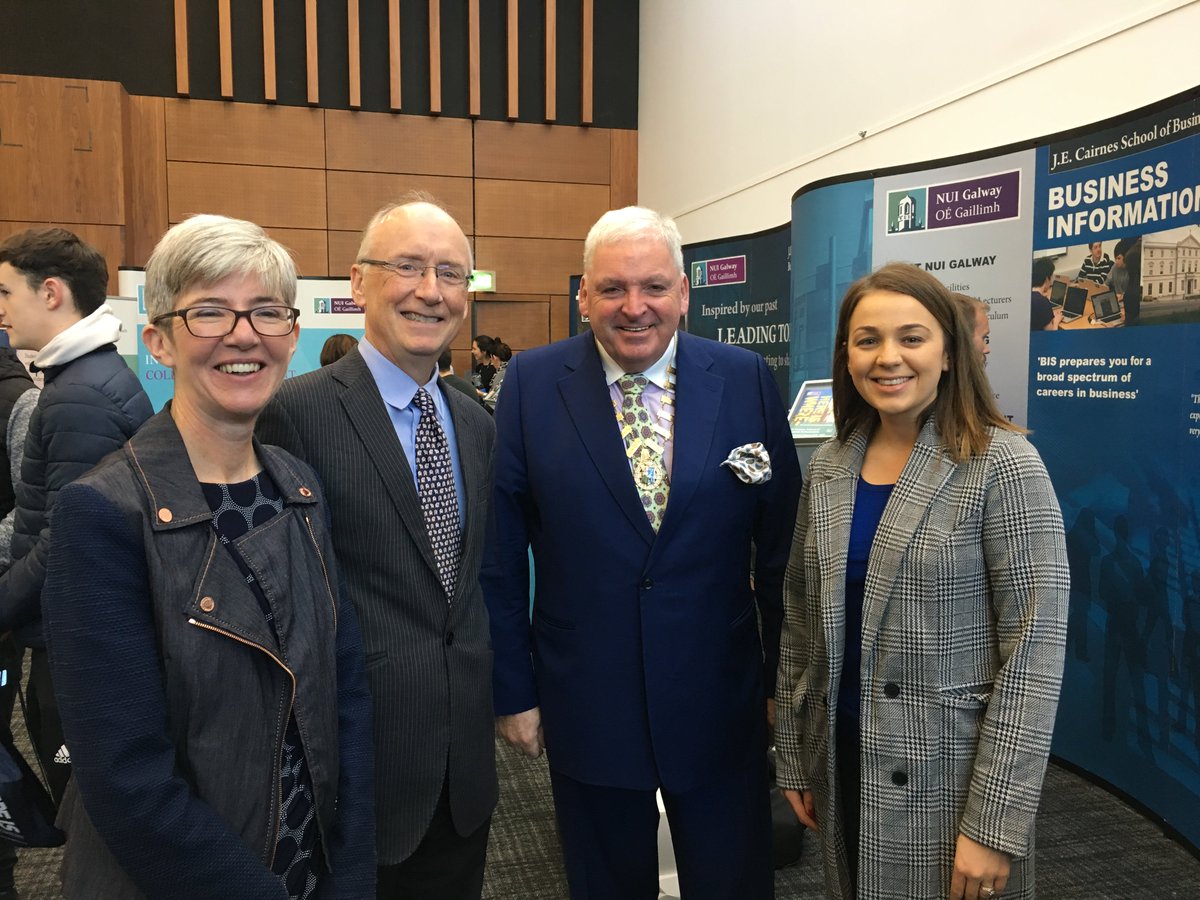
{"type": "Point", "coordinates": [644, 651]}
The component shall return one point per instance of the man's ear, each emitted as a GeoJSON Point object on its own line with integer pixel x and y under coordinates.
{"type": "Point", "coordinates": [583, 297]}
{"type": "Point", "coordinates": [56, 292]}
{"type": "Point", "coordinates": [356, 291]}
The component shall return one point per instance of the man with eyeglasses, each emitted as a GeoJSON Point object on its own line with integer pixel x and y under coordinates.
{"type": "Point", "coordinates": [407, 470]}
{"type": "Point", "coordinates": [52, 292]}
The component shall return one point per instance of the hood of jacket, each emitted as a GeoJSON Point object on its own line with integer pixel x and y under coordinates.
{"type": "Point", "coordinates": [89, 333]}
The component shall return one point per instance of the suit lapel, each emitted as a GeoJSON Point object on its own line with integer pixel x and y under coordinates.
{"type": "Point", "coordinates": [369, 417]}
{"type": "Point", "coordinates": [697, 403]}
{"type": "Point", "coordinates": [589, 407]}
{"type": "Point", "coordinates": [924, 474]}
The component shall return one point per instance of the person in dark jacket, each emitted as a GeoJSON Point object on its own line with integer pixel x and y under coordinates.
{"type": "Point", "coordinates": [446, 372]}
{"type": "Point", "coordinates": [15, 386]}
{"type": "Point", "coordinates": [52, 290]}
{"type": "Point", "coordinates": [14, 383]}
{"type": "Point", "coordinates": [209, 670]}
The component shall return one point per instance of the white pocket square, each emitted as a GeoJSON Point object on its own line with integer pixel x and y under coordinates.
{"type": "Point", "coordinates": [751, 463]}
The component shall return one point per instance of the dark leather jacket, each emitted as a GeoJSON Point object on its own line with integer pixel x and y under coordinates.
{"type": "Point", "coordinates": [176, 757]}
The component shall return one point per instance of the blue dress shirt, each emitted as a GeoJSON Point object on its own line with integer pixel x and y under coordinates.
{"type": "Point", "coordinates": [398, 389]}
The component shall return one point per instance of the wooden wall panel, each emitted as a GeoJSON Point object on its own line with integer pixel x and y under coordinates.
{"type": "Point", "coordinates": [249, 133]}
{"type": "Point", "coordinates": [382, 142]}
{"type": "Point", "coordinates": [108, 239]}
{"type": "Point", "coordinates": [270, 79]}
{"type": "Point", "coordinates": [435, 56]}
{"type": "Point", "coordinates": [623, 175]}
{"type": "Point", "coordinates": [460, 357]}
{"type": "Point", "coordinates": [530, 265]}
{"type": "Point", "coordinates": [225, 32]}
{"type": "Point", "coordinates": [309, 248]}
{"type": "Point", "coordinates": [542, 152]}
{"type": "Point", "coordinates": [354, 53]}
{"type": "Point", "coordinates": [61, 150]}
{"type": "Point", "coordinates": [560, 317]}
{"type": "Point", "coordinates": [586, 58]}
{"type": "Point", "coordinates": [313, 178]}
{"type": "Point", "coordinates": [394, 92]}
{"type": "Point", "coordinates": [537, 208]}
{"type": "Point", "coordinates": [520, 325]}
{"type": "Point", "coordinates": [551, 60]}
{"type": "Point", "coordinates": [462, 342]}
{"type": "Point", "coordinates": [512, 298]}
{"type": "Point", "coordinates": [145, 177]}
{"type": "Point", "coordinates": [355, 196]}
{"type": "Point", "coordinates": [181, 47]}
{"type": "Point", "coordinates": [513, 58]}
{"type": "Point", "coordinates": [271, 196]}
{"type": "Point", "coordinates": [343, 249]}
{"type": "Point", "coordinates": [310, 52]}
{"type": "Point", "coordinates": [473, 85]}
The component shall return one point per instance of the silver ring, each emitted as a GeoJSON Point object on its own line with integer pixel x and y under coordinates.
{"type": "Point", "coordinates": [987, 891]}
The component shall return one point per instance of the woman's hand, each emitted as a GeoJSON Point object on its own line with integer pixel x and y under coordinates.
{"type": "Point", "coordinates": [980, 872]}
{"type": "Point", "coordinates": [802, 804]}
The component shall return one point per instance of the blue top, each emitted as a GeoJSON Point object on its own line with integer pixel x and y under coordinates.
{"type": "Point", "coordinates": [398, 390]}
{"type": "Point", "coordinates": [869, 501]}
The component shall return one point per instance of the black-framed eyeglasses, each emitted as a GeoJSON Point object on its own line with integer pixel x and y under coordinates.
{"type": "Point", "coordinates": [412, 269]}
{"type": "Point", "coordinates": [218, 321]}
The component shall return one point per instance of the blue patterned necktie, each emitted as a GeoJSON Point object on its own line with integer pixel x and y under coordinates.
{"type": "Point", "coordinates": [644, 447]}
{"type": "Point", "coordinates": [435, 486]}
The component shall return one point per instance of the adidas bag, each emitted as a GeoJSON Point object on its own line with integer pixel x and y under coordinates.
{"type": "Point", "coordinates": [26, 810]}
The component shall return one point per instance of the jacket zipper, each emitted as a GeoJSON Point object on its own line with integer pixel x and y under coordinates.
{"type": "Point", "coordinates": [274, 826]}
{"type": "Point", "coordinates": [324, 571]}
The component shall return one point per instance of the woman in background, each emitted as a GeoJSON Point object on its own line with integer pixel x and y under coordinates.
{"type": "Point", "coordinates": [500, 354]}
{"type": "Point", "coordinates": [483, 369]}
{"type": "Point", "coordinates": [926, 604]}
{"type": "Point", "coordinates": [335, 347]}
{"type": "Point", "coordinates": [210, 679]}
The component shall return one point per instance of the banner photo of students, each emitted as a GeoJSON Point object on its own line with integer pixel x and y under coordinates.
{"type": "Point", "coordinates": [739, 295]}
{"type": "Point", "coordinates": [326, 309]}
{"type": "Point", "coordinates": [1102, 364]}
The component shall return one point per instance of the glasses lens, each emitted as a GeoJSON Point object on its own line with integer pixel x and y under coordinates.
{"type": "Point", "coordinates": [209, 321]}
{"type": "Point", "coordinates": [273, 321]}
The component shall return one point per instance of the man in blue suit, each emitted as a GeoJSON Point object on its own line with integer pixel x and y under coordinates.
{"type": "Point", "coordinates": [653, 474]}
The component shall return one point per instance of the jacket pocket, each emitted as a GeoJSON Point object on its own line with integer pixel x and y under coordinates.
{"type": "Point", "coordinates": [967, 696]}
{"type": "Point", "coordinates": [553, 621]}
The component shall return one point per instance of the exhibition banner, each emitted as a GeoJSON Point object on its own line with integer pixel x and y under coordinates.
{"type": "Point", "coordinates": [1101, 363]}
{"type": "Point", "coordinates": [739, 294]}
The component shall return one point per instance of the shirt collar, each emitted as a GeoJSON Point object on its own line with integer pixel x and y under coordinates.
{"type": "Point", "coordinates": [395, 385]}
{"type": "Point", "coordinates": [657, 374]}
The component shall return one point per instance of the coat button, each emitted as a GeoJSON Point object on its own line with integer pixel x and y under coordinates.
{"type": "Point", "coordinates": [208, 604]}
{"type": "Point", "coordinates": [647, 584]}
{"type": "Point", "coordinates": [899, 779]}
{"type": "Point", "coordinates": [165, 515]}
{"type": "Point", "coordinates": [891, 690]}
{"type": "Point", "coordinates": [449, 638]}
{"type": "Point", "coordinates": [305, 492]}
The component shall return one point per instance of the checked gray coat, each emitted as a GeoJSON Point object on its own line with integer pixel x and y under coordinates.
{"type": "Point", "coordinates": [964, 627]}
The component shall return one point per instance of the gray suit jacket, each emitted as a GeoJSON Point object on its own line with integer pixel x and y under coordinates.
{"type": "Point", "coordinates": [429, 662]}
{"type": "Point", "coordinates": [963, 636]}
